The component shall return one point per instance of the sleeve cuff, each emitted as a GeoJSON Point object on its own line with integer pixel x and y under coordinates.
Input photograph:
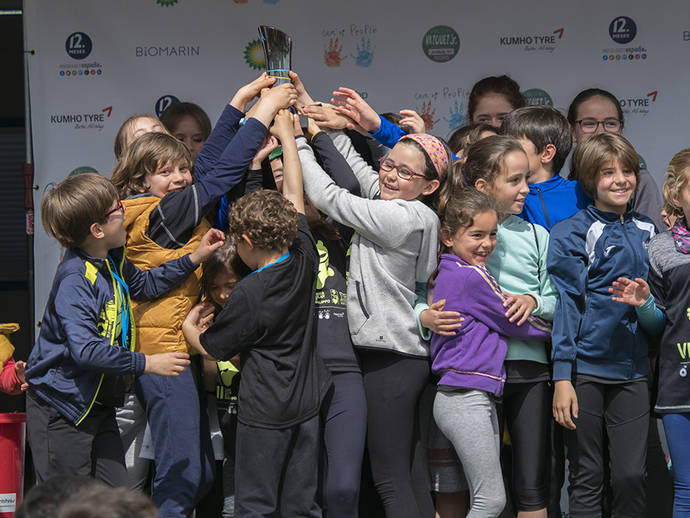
{"type": "Point", "coordinates": [423, 331]}
{"type": "Point", "coordinates": [379, 132]}
{"type": "Point", "coordinates": [139, 363]}
{"type": "Point", "coordinates": [562, 370]}
{"type": "Point", "coordinates": [187, 264]}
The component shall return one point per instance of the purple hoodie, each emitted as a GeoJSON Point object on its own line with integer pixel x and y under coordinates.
{"type": "Point", "coordinates": [473, 358]}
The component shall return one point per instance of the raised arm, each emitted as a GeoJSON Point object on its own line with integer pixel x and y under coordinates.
{"type": "Point", "coordinates": [283, 129]}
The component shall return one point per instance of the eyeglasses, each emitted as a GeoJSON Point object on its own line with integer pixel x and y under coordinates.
{"type": "Point", "coordinates": [119, 207]}
{"type": "Point", "coordinates": [404, 172]}
{"type": "Point", "coordinates": [590, 125]}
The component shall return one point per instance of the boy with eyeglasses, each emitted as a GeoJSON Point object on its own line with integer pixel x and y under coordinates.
{"type": "Point", "coordinates": [85, 348]}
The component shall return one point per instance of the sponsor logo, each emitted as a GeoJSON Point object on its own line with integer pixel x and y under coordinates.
{"type": "Point", "coordinates": [639, 104]}
{"type": "Point", "coordinates": [450, 100]}
{"type": "Point", "coordinates": [166, 3]}
{"type": "Point", "coordinates": [155, 51]}
{"type": "Point", "coordinates": [355, 41]}
{"type": "Point", "coordinates": [92, 120]}
{"type": "Point", "coordinates": [164, 102]}
{"type": "Point", "coordinates": [686, 35]}
{"type": "Point", "coordinates": [81, 170]}
{"type": "Point", "coordinates": [537, 97]}
{"type": "Point", "coordinates": [254, 55]}
{"type": "Point", "coordinates": [441, 43]}
{"type": "Point", "coordinates": [622, 30]}
{"type": "Point", "coordinates": [78, 45]}
{"type": "Point", "coordinates": [533, 42]}
{"type": "Point", "coordinates": [8, 502]}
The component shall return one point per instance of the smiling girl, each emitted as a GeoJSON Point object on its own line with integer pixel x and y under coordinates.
{"type": "Point", "coordinates": [600, 365]}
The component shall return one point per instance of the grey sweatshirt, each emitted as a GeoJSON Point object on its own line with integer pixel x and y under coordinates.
{"type": "Point", "coordinates": [394, 246]}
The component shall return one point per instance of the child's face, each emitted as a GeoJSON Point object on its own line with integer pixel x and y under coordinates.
{"type": "Point", "coordinates": [475, 243]}
{"type": "Point", "coordinates": [492, 108]}
{"type": "Point", "coordinates": [509, 189]}
{"type": "Point", "coordinates": [615, 186]}
{"type": "Point", "coordinates": [143, 125]}
{"type": "Point", "coordinates": [599, 109]}
{"type": "Point", "coordinates": [277, 169]}
{"type": "Point", "coordinates": [167, 178]}
{"type": "Point", "coordinates": [669, 219]}
{"type": "Point", "coordinates": [410, 160]}
{"type": "Point", "coordinates": [533, 156]}
{"type": "Point", "coordinates": [189, 133]}
{"type": "Point", "coordinates": [114, 233]}
{"type": "Point", "coordinates": [682, 199]}
{"type": "Point", "coordinates": [221, 286]}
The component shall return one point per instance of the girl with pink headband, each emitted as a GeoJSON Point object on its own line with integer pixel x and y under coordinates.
{"type": "Point", "coordinates": [394, 252]}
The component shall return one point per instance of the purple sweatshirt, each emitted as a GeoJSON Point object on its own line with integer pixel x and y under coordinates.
{"type": "Point", "coordinates": [473, 358]}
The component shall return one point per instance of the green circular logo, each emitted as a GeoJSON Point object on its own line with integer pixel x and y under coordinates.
{"type": "Point", "coordinates": [81, 170]}
{"type": "Point", "coordinates": [254, 55]}
{"type": "Point", "coordinates": [441, 43]}
{"type": "Point", "coordinates": [537, 97]}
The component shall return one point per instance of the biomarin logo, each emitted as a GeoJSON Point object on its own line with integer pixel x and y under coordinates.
{"type": "Point", "coordinates": [164, 51]}
{"type": "Point", "coordinates": [638, 105]}
{"type": "Point", "coordinates": [84, 120]}
{"type": "Point", "coordinates": [533, 42]}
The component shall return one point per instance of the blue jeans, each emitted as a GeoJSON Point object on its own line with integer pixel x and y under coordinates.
{"type": "Point", "coordinates": [677, 427]}
{"type": "Point", "coordinates": [181, 442]}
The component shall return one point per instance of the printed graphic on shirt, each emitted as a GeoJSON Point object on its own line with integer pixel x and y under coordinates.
{"type": "Point", "coordinates": [109, 321]}
{"type": "Point", "coordinates": [684, 352]}
{"type": "Point", "coordinates": [325, 271]}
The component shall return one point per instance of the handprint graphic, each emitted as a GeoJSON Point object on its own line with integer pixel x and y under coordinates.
{"type": "Point", "coordinates": [456, 118]}
{"type": "Point", "coordinates": [427, 113]}
{"type": "Point", "coordinates": [332, 55]}
{"type": "Point", "coordinates": [365, 54]}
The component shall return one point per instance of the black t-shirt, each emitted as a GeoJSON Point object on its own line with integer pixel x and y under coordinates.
{"type": "Point", "coordinates": [269, 320]}
{"type": "Point", "coordinates": [334, 343]}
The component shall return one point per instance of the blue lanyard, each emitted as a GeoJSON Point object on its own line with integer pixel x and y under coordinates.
{"type": "Point", "coordinates": [123, 291]}
{"type": "Point", "coordinates": [279, 260]}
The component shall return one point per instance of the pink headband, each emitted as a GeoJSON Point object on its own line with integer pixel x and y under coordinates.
{"type": "Point", "coordinates": [434, 149]}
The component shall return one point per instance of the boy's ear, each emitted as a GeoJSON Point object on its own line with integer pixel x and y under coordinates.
{"type": "Point", "coordinates": [481, 185]}
{"type": "Point", "coordinates": [96, 230]}
{"type": "Point", "coordinates": [248, 241]}
{"type": "Point", "coordinates": [548, 154]}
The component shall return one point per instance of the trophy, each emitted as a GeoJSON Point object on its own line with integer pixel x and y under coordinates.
{"type": "Point", "coordinates": [277, 53]}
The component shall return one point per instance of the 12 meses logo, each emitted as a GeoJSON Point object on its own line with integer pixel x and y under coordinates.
{"type": "Point", "coordinates": [94, 120]}
{"type": "Point", "coordinates": [533, 42]}
{"type": "Point", "coordinates": [638, 105]}
{"type": "Point", "coordinates": [79, 46]}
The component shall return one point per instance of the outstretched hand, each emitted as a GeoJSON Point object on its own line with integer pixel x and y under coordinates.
{"type": "Point", "coordinates": [269, 145]}
{"type": "Point", "coordinates": [412, 122]}
{"type": "Point", "coordinates": [303, 98]}
{"type": "Point", "coordinates": [350, 103]}
{"type": "Point", "coordinates": [283, 125]}
{"type": "Point", "coordinates": [441, 322]}
{"type": "Point", "coordinates": [630, 292]}
{"type": "Point", "coordinates": [249, 91]}
{"type": "Point", "coordinates": [212, 241]}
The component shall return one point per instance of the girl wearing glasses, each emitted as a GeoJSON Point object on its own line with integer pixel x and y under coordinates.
{"type": "Point", "coordinates": [393, 252]}
{"type": "Point", "coordinates": [595, 111]}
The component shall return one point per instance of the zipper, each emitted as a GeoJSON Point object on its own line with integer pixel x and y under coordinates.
{"type": "Point", "coordinates": [635, 274]}
{"type": "Point", "coordinates": [543, 206]}
{"type": "Point", "coordinates": [359, 299]}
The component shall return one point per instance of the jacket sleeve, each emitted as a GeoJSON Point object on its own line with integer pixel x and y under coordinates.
{"type": "Point", "coordinates": [650, 317]}
{"type": "Point", "coordinates": [388, 133]}
{"type": "Point", "coordinates": [150, 284]}
{"type": "Point", "coordinates": [217, 141]}
{"type": "Point", "coordinates": [9, 382]}
{"type": "Point", "coordinates": [487, 307]}
{"type": "Point", "coordinates": [234, 329]}
{"type": "Point", "coordinates": [76, 309]}
{"type": "Point", "coordinates": [567, 265]}
{"type": "Point", "coordinates": [367, 176]}
{"type": "Point", "coordinates": [387, 223]}
{"type": "Point", "coordinates": [547, 296]}
{"type": "Point", "coordinates": [334, 163]}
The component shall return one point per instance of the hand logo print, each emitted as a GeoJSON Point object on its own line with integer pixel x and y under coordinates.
{"type": "Point", "coordinates": [365, 54]}
{"type": "Point", "coordinates": [456, 118]}
{"type": "Point", "coordinates": [427, 113]}
{"type": "Point", "coordinates": [332, 55]}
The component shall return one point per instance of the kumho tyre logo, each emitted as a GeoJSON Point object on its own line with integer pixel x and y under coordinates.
{"type": "Point", "coordinates": [78, 45]}
{"type": "Point", "coordinates": [622, 29]}
{"type": "Point", "coordinates": [441, 43]}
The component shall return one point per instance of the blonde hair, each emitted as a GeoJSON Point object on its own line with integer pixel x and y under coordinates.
{"type": "Point", "coordinates": [125, 131]}
{"type": "Point", "coordinates": [677, 177]}
{"type": "Point", "coordinates": [70, 208]}
{"type": "Point", "coordinates": [593, 152]}
{"type": "Point", "coordinates": [145, 156]}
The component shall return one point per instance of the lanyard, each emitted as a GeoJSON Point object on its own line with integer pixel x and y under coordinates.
{"type": "Point", "coordinates": [123, 291]}
{"type": "Point", "coordinates": [279, 260]}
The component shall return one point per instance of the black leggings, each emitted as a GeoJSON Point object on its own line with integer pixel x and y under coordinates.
{"type": "Point", "coordinates": [393, 384]}
{"type": "Point", "coordinates": [527, 412]}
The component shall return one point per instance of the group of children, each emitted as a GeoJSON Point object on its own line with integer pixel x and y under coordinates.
{"type": "Point", "coordinates": [344, 287]}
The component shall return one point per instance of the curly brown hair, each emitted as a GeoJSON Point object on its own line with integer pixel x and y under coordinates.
{"type": "Point", "coordinates": [266, 218]}
{"type": "Point", "coordinates": [145, 156]}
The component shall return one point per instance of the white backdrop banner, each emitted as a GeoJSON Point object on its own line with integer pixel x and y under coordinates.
{"type": "Point", "coordinates": [97, 62]}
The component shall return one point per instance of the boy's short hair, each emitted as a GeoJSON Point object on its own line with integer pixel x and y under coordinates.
{"type": "Point", "coordinates": [44, 499]}
{"type": "Point", "coordinates": [101, 501]}
{"type": "Point", "coordinates": [70, 208]}
{"type": "Point", "coordinates": [542, 125]}
{"type": "Point", "coordinates": [593, 152]}
{"type": "Point", "coordinates": [144, 156]}
{"type": "Point", "coordinates": [266, 217]}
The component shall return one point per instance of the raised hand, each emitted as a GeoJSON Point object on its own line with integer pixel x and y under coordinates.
{"type": "Point", "coordinates": [272, 100]}
{"type": "Point", "coordinates": [412, 122]}
{"type": "Point", "coordinates": [270, 143]}
{"type": "Point", "coordinates": [212, 241]}
{"type": "Point", "coordinates": [283, 126]}
{"type": "Point", "coordinates": [350, 103]}
{"type": "Point", "coordinates": [249, 91]}
{"type": "Point", "coordinates": [303, 97]}
{"type": "Point", "coordinates": [630, 292]}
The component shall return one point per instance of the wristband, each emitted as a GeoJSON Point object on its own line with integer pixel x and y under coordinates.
{"type": "Point", "coordinates": [243, 121]}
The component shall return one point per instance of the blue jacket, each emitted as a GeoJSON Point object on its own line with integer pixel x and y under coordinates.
{"type": "Point", "coordinates": [591, 333]}
{"type": "Point", "coordinates": [388, 134]}
{"type": "Point", "coordinates": [552, 201]}
{"type": "Point", "coordinates": [81, 332]}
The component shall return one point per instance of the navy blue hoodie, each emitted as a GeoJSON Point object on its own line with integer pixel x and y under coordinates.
{"type": "Point", "coordinates": [552, 201]}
